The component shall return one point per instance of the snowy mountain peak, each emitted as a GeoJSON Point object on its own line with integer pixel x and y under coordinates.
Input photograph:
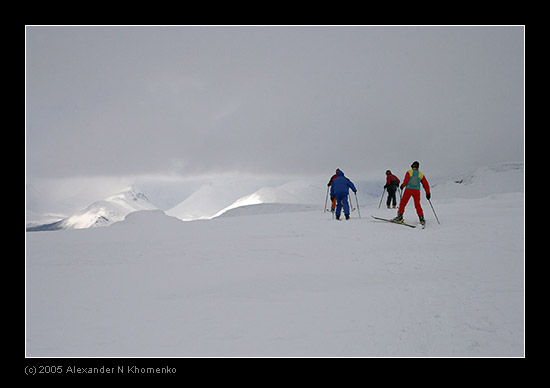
{"type": "Point", "coordinates": [211, 201]}
{"type": "Point", "coordinates": [103, 212]}
{"type": "Point", "coordinates": [131, 193]}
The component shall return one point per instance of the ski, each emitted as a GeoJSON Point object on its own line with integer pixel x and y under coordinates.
{"type": "Point", "coordinates": [393, 222]}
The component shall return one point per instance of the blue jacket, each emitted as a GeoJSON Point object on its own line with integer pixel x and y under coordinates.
{"type": "Point", "coordinates": [341, 185]}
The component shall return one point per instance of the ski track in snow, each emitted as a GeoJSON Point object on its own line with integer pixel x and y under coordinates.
{"type": "Point", "coordinates": [289, 284]}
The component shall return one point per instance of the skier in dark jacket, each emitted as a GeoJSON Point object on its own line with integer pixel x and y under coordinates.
{"type": "Point", "coordinates": [340, 189]}
{"type": "Point", "coordinates": [392, 183]}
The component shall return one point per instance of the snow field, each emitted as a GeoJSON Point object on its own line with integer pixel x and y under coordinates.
{"type": "Point", "coordinates": [286, 284]}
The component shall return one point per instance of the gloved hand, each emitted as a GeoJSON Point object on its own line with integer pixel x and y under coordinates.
{"type": "Point", "coordinates": [428, 196]}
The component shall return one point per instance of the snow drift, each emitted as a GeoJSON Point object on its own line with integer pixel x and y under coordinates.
{"type": "Point", "coordinates": [484, 181]}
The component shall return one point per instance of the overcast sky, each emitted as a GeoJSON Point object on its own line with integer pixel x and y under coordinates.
{"type": "Point", "coordinates": [186, 101]}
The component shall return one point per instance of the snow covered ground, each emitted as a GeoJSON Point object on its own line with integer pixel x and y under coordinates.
{"type": "Point", "coordinates": [287, 280]}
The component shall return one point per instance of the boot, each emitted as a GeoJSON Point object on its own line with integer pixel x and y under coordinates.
{"type": "Point", "coordinates": [422, 221]}
{"type": "Point", "coordinates": [338, 218]}
{"type": "Point", "coordinates": [347, 216]}
{"type": "Point", "coordinates": [399, 218]}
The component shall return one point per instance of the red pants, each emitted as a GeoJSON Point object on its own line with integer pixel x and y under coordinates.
{"type": "Point", "coordinates": [406, 196]}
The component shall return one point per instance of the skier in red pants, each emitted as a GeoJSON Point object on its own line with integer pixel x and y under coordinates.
{"type": "Point", "coordinates": [333, 199]}
{"type": "Point", "coordinates": [411, 183]}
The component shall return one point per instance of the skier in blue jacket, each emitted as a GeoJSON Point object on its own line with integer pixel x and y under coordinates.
{"type": "Point", "coordinates": [340, 189]}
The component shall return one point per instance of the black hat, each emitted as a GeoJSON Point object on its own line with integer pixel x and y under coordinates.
{"type": "Point", "coordinates": [415, 164]}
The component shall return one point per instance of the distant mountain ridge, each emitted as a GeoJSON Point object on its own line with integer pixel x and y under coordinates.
{"type": "Point", "coordinates": [103, 212]}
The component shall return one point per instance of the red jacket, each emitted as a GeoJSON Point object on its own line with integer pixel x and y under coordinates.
{"type": "Point", "coordinates": [333, 177]}
{"type": "Point", "coordinates": [392, 178]}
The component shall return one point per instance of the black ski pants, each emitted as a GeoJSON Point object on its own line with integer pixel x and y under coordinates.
{"type": "Point", "coordinates": [391, 196]}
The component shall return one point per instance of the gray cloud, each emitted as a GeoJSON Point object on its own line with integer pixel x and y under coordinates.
{"type": "Point", "coordinates": [193, 100]}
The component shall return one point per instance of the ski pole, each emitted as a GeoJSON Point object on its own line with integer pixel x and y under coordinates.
{"type": "Point", "coordinates": [357, 202]}
{"type": "Point", "coordinates": [326, 200]}
{"type": "Point", "coordinates": [351, 208]}
{"type": "Point", "coordinates": [381, 198]}
{"type": "Point", "coordinates": [434, 212]}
